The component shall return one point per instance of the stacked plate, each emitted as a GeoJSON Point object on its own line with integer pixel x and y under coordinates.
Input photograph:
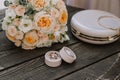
{"type": "Point", "coordinates": [95, 26]}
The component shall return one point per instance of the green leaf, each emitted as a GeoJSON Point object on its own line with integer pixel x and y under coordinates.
{"type": "Point", "coordinates": [6, 3]}
{"type": "Point", "coordinates": [30, 11]}
{"type": "Point", "coordinates": [22, 2]}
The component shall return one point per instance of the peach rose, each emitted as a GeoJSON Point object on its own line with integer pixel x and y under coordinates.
{"type": "Point", "coordinates": [57, 27]}
{"type": "Point", "coordinates": [16, 22]}
{"type": "Point", "coordinates": [44, 22]}
{"type": "Point", "coordinates": [12, 31]}
{"type": "Point", "coordinates": [20, 10]}
{"type": "Point", "coordinates": [63, 17]}
{"type": "Point", "coordinates": [60, 4]}
{"type": "Point", "coordinates": [42, 37]}
{"type": "Point", "coordinates": [43, 40]}
{"type": "Point", "coordinates": [27, 47]}
{"type": "Point", "coordinates": [40, 4]}
{"type": "Point", "coordinates": [11, 38]}
{"type": "Point", "coordinates": [31, 38]}
{"type": "Point", "coordinates": [18, 43]}
{"type": "Point", "coordinates": [19, 35]}
{"type": "Point", "coordinates": [55, 12]}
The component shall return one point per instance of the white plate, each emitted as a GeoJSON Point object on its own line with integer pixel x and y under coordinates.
{"type": "Point", "coordinates": [95, 26]}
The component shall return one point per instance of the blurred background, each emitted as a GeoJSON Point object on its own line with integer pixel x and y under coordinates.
{"type": "Point", "coordinates": [112, 6]}
{"type": "Point", "coordinates": [1, 4]}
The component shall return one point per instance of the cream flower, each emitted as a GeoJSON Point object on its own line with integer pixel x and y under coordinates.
{"type": "Point", "coordinates": [63, 29]}
{"type": "Point", "coordinates": [16, 22]}
{"type": "Point", "coordinates": [18, 43]}
{"type": "Point", "coordinates": [19, 35]}
{"type": "Point", "coordinates": [26, 25]}
{"type": "Point", "coordinates": [20, 10]}
{"type": "Point", "coordinates": [4, 25]}
{"type": "Point", "coordinates": [10, 13]}
{"type": "Point", "coordinates": [65, 38]}
{"type": "Point", "coordinates": [43, 40]}
{"type": "Point", "coordinates": [63, 17]}
{"type": "Point", "coordinates": [12, 31]}
{"type": "Point", "coordinates": [55, 13]}
{"type": "Point", "coordinates": [27, 47]}
{"type": "Point", "coordinates": [61, 4]}
{"type": "Point", "coordinates": [12, 6]}
{"type": "Point", "coordinates": [11, 38]}
{"type": "Point", "coordinates": [57, 27]}
{"type": "Point", "coordinates": [54, 2]}
{"type": "Point", "coordinates": [6, 22]}
{"type": "Point", "coordinates": [44, 22]}
{"type": "Point", "coordinates": [31, 38]}
{"type": "Point", "coordinates": [40, 4]}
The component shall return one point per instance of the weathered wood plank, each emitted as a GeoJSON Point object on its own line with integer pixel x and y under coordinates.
{"type": "Point", "coordinates": [2, 14]}
{"type": "Point", "coordinates": [92, 72]}
{"type": "Point", "coordinates": [113, 72]}
{"type": "Point", "coordinates": [87, 54]}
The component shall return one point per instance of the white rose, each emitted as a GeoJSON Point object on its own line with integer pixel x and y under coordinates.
{"type": "Point", "coordinates": [26, 25]}
{"type": "Point", "coordinates": [10, 13]}
{"type": "Point", "coordinates": [4, 25]}
{"type": "Point", "coordinates": [6, 22]}
{"type": "Point", "coordinates": [65, 38]}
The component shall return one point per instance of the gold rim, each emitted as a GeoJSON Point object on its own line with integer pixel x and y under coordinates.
{"type": "Point", "coordinates": [109, 38]}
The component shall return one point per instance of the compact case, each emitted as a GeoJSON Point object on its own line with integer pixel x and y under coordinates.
{"type": "Point", "coordinates": [95, 26]}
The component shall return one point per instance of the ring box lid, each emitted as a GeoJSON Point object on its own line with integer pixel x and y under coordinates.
{"type": "Point", "coordinates": [88, 22]}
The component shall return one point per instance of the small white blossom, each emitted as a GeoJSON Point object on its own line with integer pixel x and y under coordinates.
{"type": "Point", "coordinates": [26, 25]}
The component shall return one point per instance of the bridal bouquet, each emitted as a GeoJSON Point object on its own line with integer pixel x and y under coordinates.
{"type": "Point", "coordinates": [35, 23]}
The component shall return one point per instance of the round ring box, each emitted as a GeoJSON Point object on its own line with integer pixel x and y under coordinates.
{"type": "Point", "coordinates": [67, 55]}
{"type": "Point", "coordinates": [95, 26]}
{"type": "Point", "coordinates": [53, 59]}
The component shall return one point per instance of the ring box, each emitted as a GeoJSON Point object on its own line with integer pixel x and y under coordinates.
{"type": "Point", "coordinates": [54, 58]}
{"type": "Point", "coordinates": [95, 26]}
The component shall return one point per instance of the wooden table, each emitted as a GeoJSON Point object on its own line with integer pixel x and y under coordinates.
{"type": "Point", "coordinates": [92, 60]}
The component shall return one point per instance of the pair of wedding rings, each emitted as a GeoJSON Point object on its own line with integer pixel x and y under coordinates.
{"type": "Point", "coordinates": [54, 58]}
